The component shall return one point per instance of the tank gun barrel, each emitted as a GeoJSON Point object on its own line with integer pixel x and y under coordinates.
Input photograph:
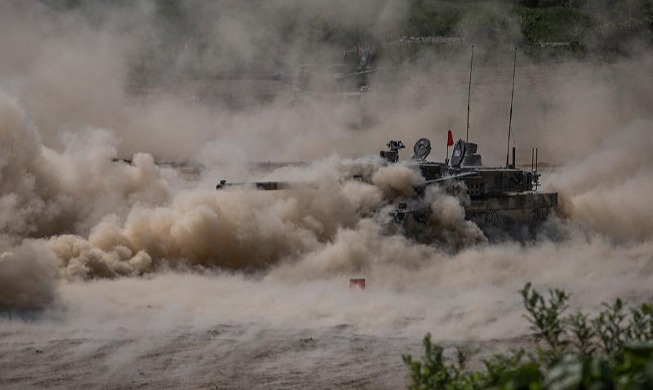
{"type": "Point", "coordinates": [267, 185]}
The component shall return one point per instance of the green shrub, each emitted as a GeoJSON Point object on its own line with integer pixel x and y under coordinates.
{"type": "Point", "coordinates": [613, 350]}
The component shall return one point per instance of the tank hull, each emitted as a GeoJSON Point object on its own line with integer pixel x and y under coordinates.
{"type": "Point", "coordinates": [514, 216]}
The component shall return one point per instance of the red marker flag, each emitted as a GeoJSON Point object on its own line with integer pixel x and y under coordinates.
{"type": "Point", "coordinates": [450, 139]}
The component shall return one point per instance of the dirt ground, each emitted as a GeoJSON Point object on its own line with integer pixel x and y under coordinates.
{"type": "Point", "coordinates": [220, 356]}
{"type": "Point", "coordinates": [216, 358]}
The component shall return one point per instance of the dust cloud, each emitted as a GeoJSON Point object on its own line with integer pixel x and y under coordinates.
{"type": "Point", "coordinates": [102, 246]}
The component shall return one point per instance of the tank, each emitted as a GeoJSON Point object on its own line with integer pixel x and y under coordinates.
{"type": "Point", "coordinates": [502, 201]}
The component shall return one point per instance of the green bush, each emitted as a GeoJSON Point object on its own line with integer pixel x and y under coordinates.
{"type": "Point", "coordinates": [612, 350]}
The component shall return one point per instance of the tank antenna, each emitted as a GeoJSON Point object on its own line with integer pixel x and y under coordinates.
{"type": "Point", "coordinates": [512, 98]}
{"type": "Point", "coordinates": [469, 91]}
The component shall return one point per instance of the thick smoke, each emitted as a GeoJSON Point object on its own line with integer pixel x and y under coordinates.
{"type": "Point", "coordinates": [608, 191]}
{"type": "Point", "coordinates": [160, 76]}
{"type": "Point", "coordinates": [86, 86]}
{"type": "Point", "coordinates": [47, 192]}
{"type": "Point", "coordinates": [134, 225]}
{"type": "Point", "coordinates": [28, 276]}
{"type": "Point", "coordinates": [242, 229]}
